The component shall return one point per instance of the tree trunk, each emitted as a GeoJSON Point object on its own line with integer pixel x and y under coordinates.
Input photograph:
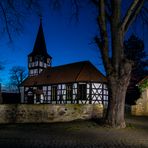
{"type": "Point", "coordinates": [118, 68]}
{"type": "Point", "coordinates": [117, 92]}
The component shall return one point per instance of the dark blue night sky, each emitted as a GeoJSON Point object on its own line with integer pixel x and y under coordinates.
{"type": "Point", "coordinates": [67, 41]}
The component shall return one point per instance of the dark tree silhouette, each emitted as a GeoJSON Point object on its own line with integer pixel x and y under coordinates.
{"type": "Point", "coordinates": [134, 50]}
{"type": "Point", "coordinates": [17, 75]}
{"type": "Point", "coordinates": [112, 30]}
{"type": "Point", "coordinates": [13, 12]}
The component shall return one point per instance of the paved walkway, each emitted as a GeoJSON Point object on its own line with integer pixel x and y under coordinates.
{"type": "Point", "coordinates": [77, 134]}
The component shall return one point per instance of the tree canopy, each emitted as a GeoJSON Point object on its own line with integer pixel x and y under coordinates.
{"type": "Point", "coordinates": [134, 50]}
{"type": "Point", "coordinates": [17, 75]}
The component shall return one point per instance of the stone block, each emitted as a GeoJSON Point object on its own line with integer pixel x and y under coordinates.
{"type": "Point", "coordinates": [141, 107]}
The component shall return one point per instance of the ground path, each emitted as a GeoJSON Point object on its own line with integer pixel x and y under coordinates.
{"type": "Point", "coordinates": [77, 134]}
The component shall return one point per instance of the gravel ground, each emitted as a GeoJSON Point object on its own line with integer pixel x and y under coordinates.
{"type": "Point", "coordinates": [76, 134]}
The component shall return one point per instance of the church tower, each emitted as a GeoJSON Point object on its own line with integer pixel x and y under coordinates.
{"type": "Point", "coordinates": [39, 59]}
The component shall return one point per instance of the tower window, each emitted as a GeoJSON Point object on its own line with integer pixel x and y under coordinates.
{"type": "Point", "coordinates": [36, 63]}
{"type": "Point", "coordinates": [48, 60]}
{"type": "Point", "coordinates": [45, 65]}
{"type": "Point", "coordinates": [31, 72]}
{"type": "Point", "coordinates": [35, 71]}
{"type": "Point", "coordinates": [36, 58]}
{"type": "Point", "coordinates": [40, 70]}
{"type": "Point", "coordinates": [41, 64]}
{"type": "Point", "coordinates": [30, 59]}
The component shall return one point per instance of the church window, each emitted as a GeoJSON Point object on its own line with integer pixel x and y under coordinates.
{"type": "Point", "coordinates": [41, 64]}
{"type": "Point", "coordinates": [31, 72]}
{"type": "Point", "coordinates": [36, 63]}
{"type": "Point", "coordinates": [35, 71]}
{"type": "Point", "coordinates": [30, 59]}
{"type": "Point", "coordinates": [69, 91]}
{"type": "Point", "coordinates": [54, 92]}
{"type": "Point", "coordinates": [32, 64]}
{"type": "Point", "coordinates": [40, 87]}
{"type": "Point", "coordinates": [40, 70]}
{"type": "Point", "coordinates": [45, 65]}
{"type": "Point", "coordinates": [48, 60]}
{"type": "Point", "coordinates": [37, 98]}
{"type": "Point", "coordinates": [29, 65]}
{"type": "Point", "coordinates": [82, 90]}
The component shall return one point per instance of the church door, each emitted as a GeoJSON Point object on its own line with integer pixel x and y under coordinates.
{"type": "Point", "coordinates": [30, 97]}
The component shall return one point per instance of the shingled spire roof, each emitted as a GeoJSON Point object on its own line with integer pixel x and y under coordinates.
{"type": "Point", "coordinates": [40, 45]}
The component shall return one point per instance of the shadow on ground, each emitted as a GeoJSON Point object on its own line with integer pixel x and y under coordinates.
{"type": "Point", "coordinates": [75, 134]}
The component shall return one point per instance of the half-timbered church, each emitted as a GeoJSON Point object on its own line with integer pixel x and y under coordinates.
{"type": "Point", "coordinates": [76, 83]}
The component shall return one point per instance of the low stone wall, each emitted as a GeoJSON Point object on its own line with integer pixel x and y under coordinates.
{"type": "Point", "coordinates": [137, 110]}
{"type": "Point", "coordinates": [44, 113]}
{"type": "Point", "coordinates": [141, 107]}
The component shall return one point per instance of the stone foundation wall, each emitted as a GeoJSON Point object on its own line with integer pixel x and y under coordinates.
{"type": "Point", "coordinates": [39, 113]}
{"type": "Point", "coordinates": [141, 107]}
{"type": "Point", "coordinates": [137, 110]}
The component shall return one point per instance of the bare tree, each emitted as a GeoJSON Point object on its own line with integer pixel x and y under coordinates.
{"type": "Point", "coordinates": [13, 12]}
{"type": "Point", "coordinates": [118, 67]}
{"type": "Point", "coordinates": [12, 16]}
{"type": "Point", "coordinates": [17, 75]}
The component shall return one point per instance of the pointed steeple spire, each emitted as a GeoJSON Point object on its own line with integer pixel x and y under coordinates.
{"type": "Point", "coordinates": [40, 45]}
{"type": "Point", "coordinates": [39, 59]}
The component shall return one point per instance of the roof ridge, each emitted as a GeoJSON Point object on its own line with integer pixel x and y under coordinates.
{"type": "Point", "coordinates": [71, 64]}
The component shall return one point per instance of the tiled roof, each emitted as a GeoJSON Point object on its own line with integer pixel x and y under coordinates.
{"type": "Point", "coordinates": [40, 45]}
{"type": "Point", "coordinates": [75, 72]}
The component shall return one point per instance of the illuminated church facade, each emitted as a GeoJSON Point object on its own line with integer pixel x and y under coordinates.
{"type": "Point", "coordinates": [74, 83]}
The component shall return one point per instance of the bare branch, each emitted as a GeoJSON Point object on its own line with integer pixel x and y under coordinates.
{"type": "Point", "coordinates": [96, 2]}
{"type": "Point", "coordinates": [55, 4]}
{"type": "Point", "coordinates": [102, 42]}
{"type": "Point", "coordinates": [144, 15]}
{"type": "Point", "coordinates": [144, 18]}
{"type": "Point", "coordinates": [17, 75]}
{"type": "Point", "coordinates": [116, 35]}
{"type": "Point", "coordinates": [98, 42]}
{"type": "Point", "coordinates": [108, 10]}
{"type": "Point", "coordinates": [131, 14]}
{"type": "Point", "coordinates": [6, 21]}
{"type": "Point", "coordinates": [13, 13]}
{"type": "Point", "coordinates": [75, 4]}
